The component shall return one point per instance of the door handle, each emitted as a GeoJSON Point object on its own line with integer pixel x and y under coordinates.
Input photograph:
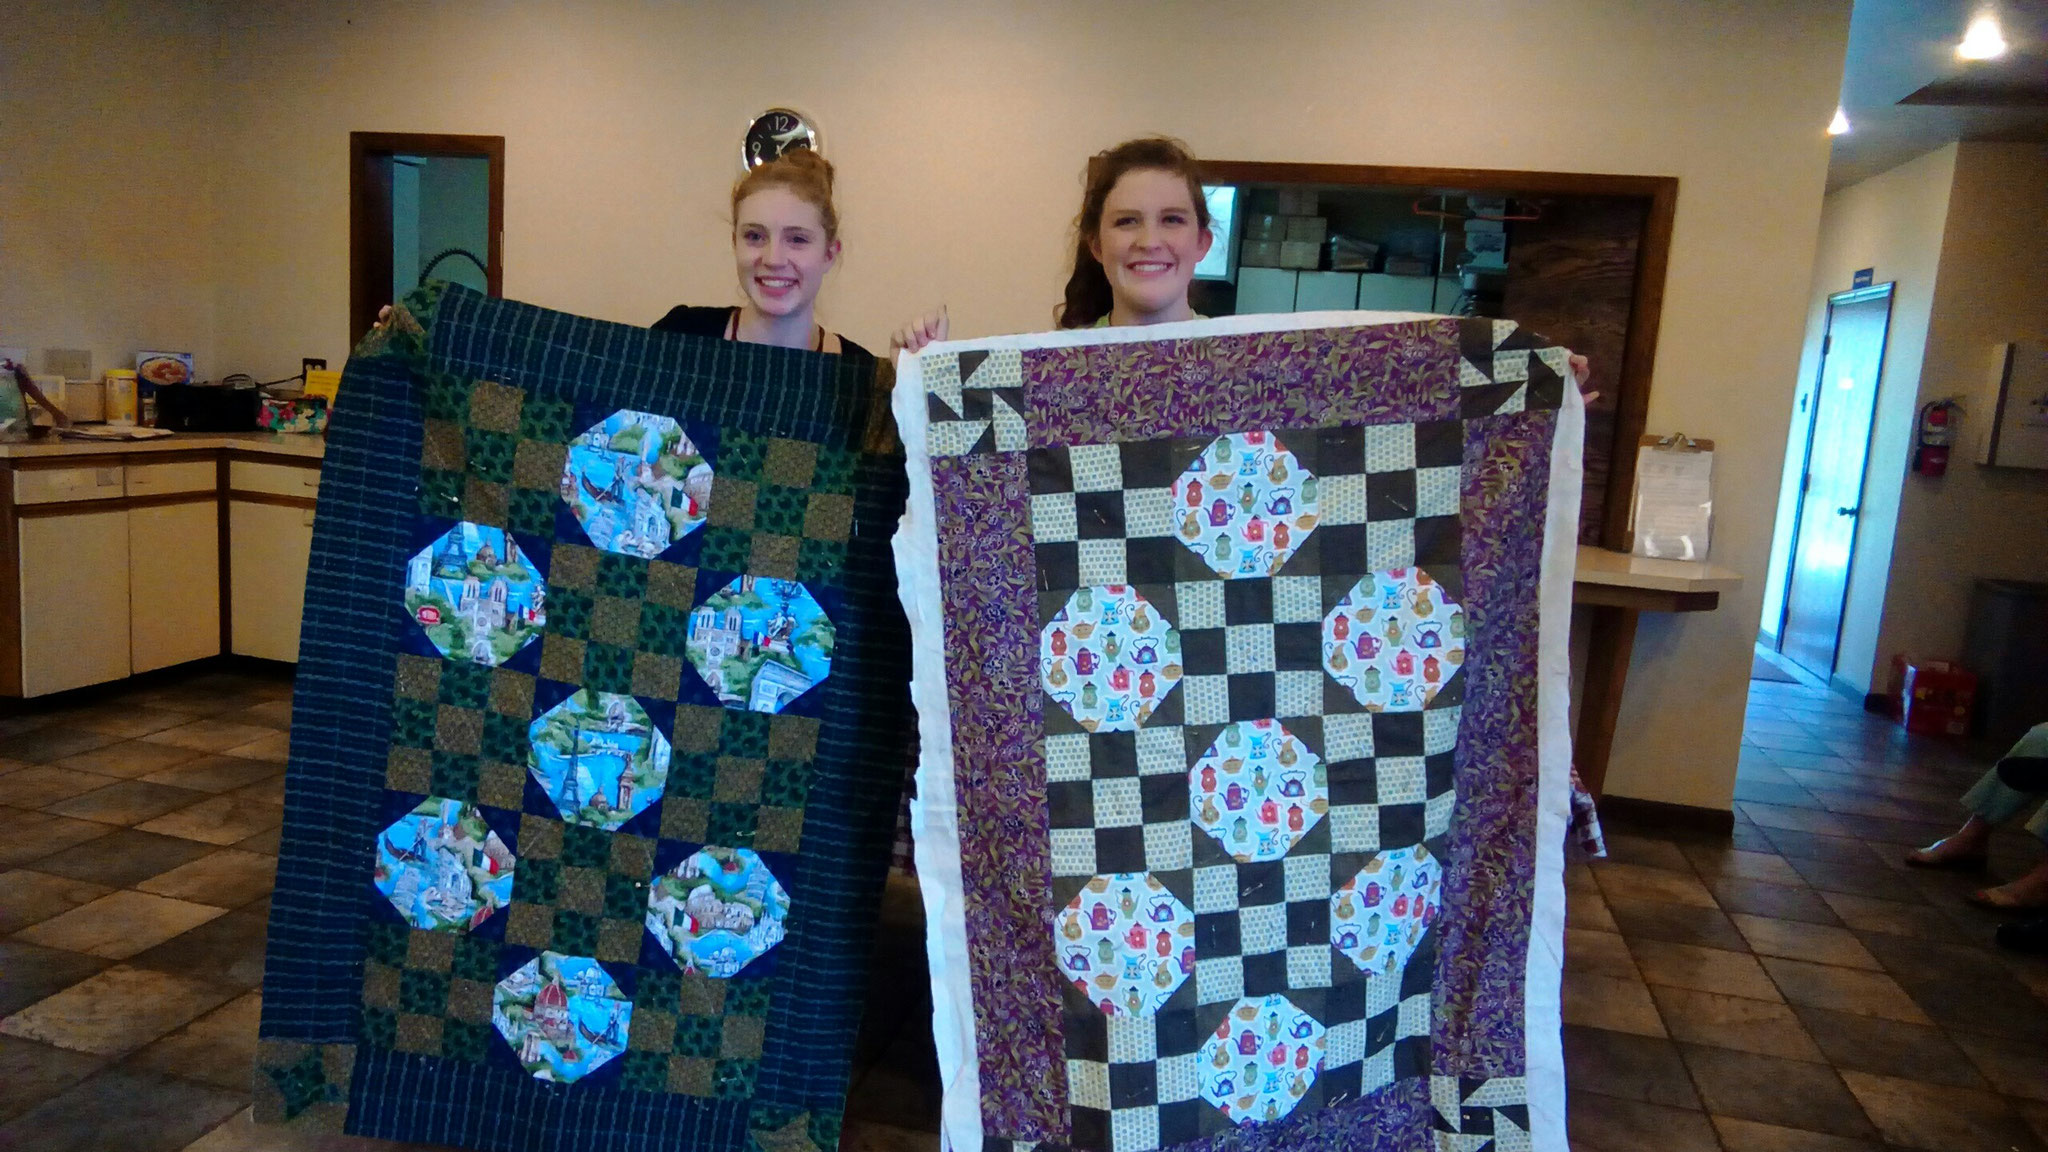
{"type": "Point", "coordinates": [1848, 511]}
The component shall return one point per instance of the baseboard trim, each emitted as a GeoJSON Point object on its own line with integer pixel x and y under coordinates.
{"type": "Point", "coordinates": [1631, 812]}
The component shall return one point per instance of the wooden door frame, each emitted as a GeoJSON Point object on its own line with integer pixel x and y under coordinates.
{"type": "Point", "coordinates": [1646, 301]}
{"type": "Point", "coordinates": [1888, 292]}
{"type": "Point", "coordinates": [369, 212]}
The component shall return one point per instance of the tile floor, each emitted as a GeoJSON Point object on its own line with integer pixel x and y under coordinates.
{"type": "Point", "coordinates": [1794, 990]}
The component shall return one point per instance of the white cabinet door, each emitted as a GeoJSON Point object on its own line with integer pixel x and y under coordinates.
{"type": "Point", "coordinates": [174, 583]}
{"type": "Point", "coordinates": [74, 601]}
{"type": "Point", "coordinates": [267, 557]}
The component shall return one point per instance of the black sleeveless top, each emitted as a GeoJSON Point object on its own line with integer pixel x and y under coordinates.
{"type": "Point", "coordinates": [691, 320]}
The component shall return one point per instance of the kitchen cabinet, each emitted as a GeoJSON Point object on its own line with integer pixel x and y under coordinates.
{"type": "Point", "coordinates": [117, 559]}
{"type": "Point", "coordinates": [173, 583]}
{"type": "Point", "coordinates": [74, 600]}
{"type": "Point", "coordinates": [267, 548]}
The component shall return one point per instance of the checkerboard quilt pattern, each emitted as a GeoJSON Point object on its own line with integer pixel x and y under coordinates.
{"type": "Point", "coordinates": [1251, 649]}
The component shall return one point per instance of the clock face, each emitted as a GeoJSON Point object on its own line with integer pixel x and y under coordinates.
{"type": "Point", "coordinates": [774, 132]}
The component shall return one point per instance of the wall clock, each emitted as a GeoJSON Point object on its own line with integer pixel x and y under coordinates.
{"type": "Point", "coordinates": [774, 132]}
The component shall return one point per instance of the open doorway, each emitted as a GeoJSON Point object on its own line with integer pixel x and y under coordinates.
{"type": "Point", "coordinates": [422, 206]}
{"type": "Point", "coordinates": [1838, 411]}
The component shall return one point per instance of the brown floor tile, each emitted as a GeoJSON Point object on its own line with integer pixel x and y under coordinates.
{"type": "Point", "coordinates": [1992, 1007]}
{"type": "Point", "coordinates": [1602, 953]}
{"type": "Point", "coordinates": [269, 714]}
{"type": "Point", "coordinates": [1805, 845]}
{"type": "Point", "coordinates": [1795, 940]}
{"type": "Point", "coordinates": [210, 735]}
{"type": "Point", "coordinates": [219, 820]}
{"type": "Point", "coordinates": [7, 766]}
{"type": "Point", "coordinates": [1848, 990]}
{"type": "Point", "coordinates": [266, 842]}
{"type": "Point", "coordinates": [29, 973]}
{"type": "Point", "coordinates": [119, 924]}
{"type": "Point", "coordinates": [274, 747]}
{"type": "Point", "coordinates": [1865, 879]}
{"type": "Point", "coordinates": [116, 1011]}
{"type": "Point", "coordinates": [219, 1048]}
{"type": "Point", "coordinates": [1889, 917]}
{"type": "Point", "coordinates": [1888, 1047]}
{"type": "Point", "coordinates": [128, 760]}
{"type": "Point", "coordinates": [1784, 795]}
{"type": "Point", "coordinates": [2013, 1067]}
{"type": "Point", "coordinates": [1641, 1068]}
{"type": "Point", "coordinates": [228, 878]}
{"type": "Point", "coordinates": [1761, 1026]}
{"type": "Point", "coordinates": [1715, 861]}
{"type": "Point", "coordinates": [121, 857]}
{"type": "Point", "coordinates": [1750, 1136]}
{"type": "Point", "coordinates": [121, 1109]}
{"type": "Point", "coordinates": [1609, 1124]}
{"type": "Point", "coordinates": [128, 721]}
{"type": "Point", "coordinates": [33, 896]}
{"type": "Point", "coordinates": [269, 790]}
{"type": "Point", "coordinates": [1936, 961]}
{"type": "Point", "coordinates": [1702, 969]}
{"type": "Point", "coordinates": [1588, 910]}
{"type": "Point", "coordinates": [31, 1072]}
{"type": "Point", "coordinates": [1638, 882]}
{"type": "Point", "coordinates": [40, 785]}
{"type": "Point", "coordinates": [53, 742]}
{"type": "Point", "coordinates": [1787, 1093]}
{"type": "Point", "coordinates": [1938, 1118]}
{"type": "Point", "coordinates": [1678, 923]}
{"type": "Point", "coordinates": [125, 802]}
{"type": "Point", "coordinates": [227, 951]}
{"type": "Point", "coordinates": [1649, 851]}
{"type": "Point", "coordinates": [1610, 1002]}
{"type": "Point", "coordinates": [35, 836]}
{"type": "Point", "coordinates": [1780, 901]}
{"type": "Point", "coordinates": [1791, 819]}
{"type": "Point", "coordinates": [214, 773]}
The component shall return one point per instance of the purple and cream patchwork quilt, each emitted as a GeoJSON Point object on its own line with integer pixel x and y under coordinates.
{"type": "Point", "coordinates": [1240, 665]}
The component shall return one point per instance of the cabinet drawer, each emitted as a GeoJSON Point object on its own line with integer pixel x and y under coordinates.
{"type": "Point", "coordinates": [275, 479]}
{"type": "Point", "coordinates": [161, 479]}
{"type": "Point", "coordinates": [57, 485]}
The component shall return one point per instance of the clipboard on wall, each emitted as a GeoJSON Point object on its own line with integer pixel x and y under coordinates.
{"type": "Point", "coordinates": [1671, 514]}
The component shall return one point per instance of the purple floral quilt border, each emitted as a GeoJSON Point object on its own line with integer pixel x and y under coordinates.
{"type": "Point", "coordinates": [1111, 393]}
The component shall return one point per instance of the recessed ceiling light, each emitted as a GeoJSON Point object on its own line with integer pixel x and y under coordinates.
{"type": "Point", "coordinates": [1840, 124]}
{"type": "Point", "coordinates": [1983, 40]}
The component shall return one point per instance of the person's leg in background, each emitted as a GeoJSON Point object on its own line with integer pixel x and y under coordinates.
{"type": "Point", "coordinates": [1990, 802]}
{"type": "Point", "coordinates": [2031, 774]}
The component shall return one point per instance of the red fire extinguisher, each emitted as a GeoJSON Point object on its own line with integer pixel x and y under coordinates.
{"type": "Point", "coordinates": [1937, 429]}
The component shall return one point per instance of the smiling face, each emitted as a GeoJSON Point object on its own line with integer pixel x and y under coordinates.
{"type": "Point", "coordinates": [1149, 242]}
{"type": "Point", "coordinates": [783, 252]}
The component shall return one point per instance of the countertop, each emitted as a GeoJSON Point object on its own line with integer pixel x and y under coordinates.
{"type": "Point", "coordinates": [1621, 570]}
{"type": "Point", "coordinates": [237, 443]}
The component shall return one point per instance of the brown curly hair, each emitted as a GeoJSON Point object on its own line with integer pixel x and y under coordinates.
{"type": "Point", "coordinates": [1088, 297]}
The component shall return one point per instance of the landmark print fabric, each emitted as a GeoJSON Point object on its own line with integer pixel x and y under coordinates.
{"type": "Point", "coordinates": [1240, 670]}
{"type": "Point", "coordinates": [598, 740]}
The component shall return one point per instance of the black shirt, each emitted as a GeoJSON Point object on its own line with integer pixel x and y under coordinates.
{"type": "Point", "coordinates": [691, 320]}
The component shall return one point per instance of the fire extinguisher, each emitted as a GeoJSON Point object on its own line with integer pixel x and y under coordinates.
{"type": "Point", "coordinates": [1937, 429]}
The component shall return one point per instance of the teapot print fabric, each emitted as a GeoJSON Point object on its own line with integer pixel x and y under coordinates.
{"type": "Point", "coordinates": [1236, 654]}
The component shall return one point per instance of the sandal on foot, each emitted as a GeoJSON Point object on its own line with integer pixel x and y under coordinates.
{"type": "Point", "coordinates": [1964, 862]}
{"type": "Point", "coordinates": [1997, 900]}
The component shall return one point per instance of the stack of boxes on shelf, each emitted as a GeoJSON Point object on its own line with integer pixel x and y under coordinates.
{"type": "Point", "coordinates": [1290, 238]}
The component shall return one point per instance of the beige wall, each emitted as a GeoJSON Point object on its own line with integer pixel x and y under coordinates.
{"type": "Point", "coordinates": [1974, 522]}
{"type": "Point", "coordinates": [1891, 223]}
{"type": "Point", "coordinates": [107, 155]}
{"type": "Point", "coordinates": [961, 130]}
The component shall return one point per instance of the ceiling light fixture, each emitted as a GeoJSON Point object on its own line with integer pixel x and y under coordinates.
{"type": "Point", "coordinates": [1983, 40]}
{"type": "Point", "coordinates": [1840, 124]}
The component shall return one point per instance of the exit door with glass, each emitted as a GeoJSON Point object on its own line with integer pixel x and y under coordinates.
{"type": "Point", "coordinates": [1840, 409]}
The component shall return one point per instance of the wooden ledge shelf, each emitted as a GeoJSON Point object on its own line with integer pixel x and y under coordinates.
{"type": "Point", "coordinates": [1615, 589]}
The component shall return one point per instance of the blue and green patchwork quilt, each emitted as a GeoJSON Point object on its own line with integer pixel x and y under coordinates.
{"type": "Point", "coordinates": [598, 736]}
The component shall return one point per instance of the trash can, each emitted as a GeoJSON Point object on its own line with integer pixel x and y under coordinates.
{"type": "Point", "coordinates": [2006, 644]}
